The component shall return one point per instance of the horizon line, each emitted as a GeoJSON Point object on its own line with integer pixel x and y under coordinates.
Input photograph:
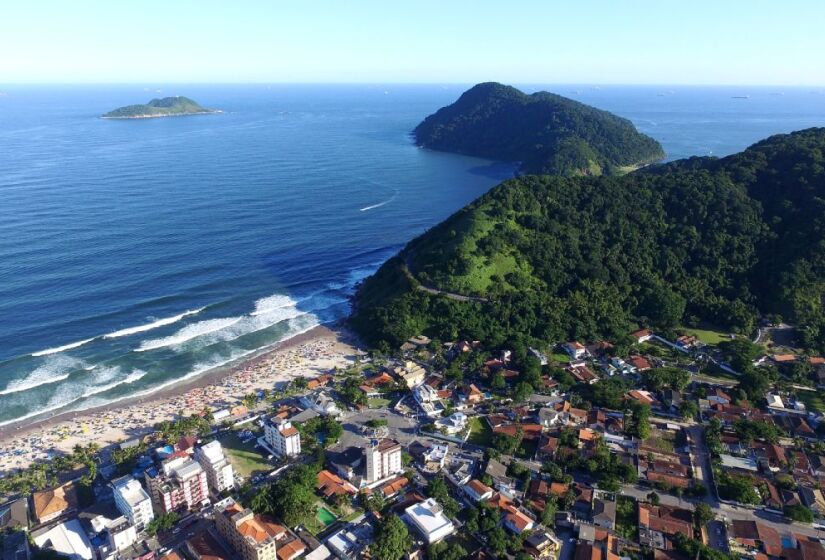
{"type": "Point", "coordinates": [592, 85]}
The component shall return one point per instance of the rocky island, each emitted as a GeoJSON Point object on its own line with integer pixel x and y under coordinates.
{"type": "Point", "coordinates": [546, 133]}
{"type": "Point", "coordinates": [177, 106]}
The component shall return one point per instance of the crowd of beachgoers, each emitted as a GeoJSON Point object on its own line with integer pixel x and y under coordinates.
{"type": "Point", "coordinates": [310, 357]}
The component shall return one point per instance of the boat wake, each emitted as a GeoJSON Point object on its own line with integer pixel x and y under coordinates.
{"type": "Point", "coordinates": [380, 204]}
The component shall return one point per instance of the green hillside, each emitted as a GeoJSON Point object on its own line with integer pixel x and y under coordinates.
{"type": "Point", "coordinates": [719, 240]}
{"type": "Point", "coordinates": [546, 133]}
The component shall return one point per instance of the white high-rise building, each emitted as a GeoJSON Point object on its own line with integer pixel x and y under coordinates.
{"type": "Point", "coordinates": [383, 458]}
{"type": "Point", "coordinates": [283, 437]}
{"type": "Point", "coordinates": [218, 469]}
{"type": "Point", "coordinates": [133, 501]}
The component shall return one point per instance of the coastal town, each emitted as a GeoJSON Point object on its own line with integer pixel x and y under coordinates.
{"type": "Point", "coordinates": [689, 444]}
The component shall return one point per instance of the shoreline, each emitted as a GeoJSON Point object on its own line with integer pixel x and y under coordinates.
{"type": "Point", "coordinates": [215, 112]}
{"type": "Point", "coordinates": [307, 354]}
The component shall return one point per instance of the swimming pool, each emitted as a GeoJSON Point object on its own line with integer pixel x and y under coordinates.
{"type": "Point", "coordinates": [326, 516]}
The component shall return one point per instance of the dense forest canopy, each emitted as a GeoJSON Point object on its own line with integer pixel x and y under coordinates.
{"type": "Point", "coordinates": [551, 258]}
{"type": "Point", "coordinates": [165, 106]}
{"type": "Point", "coordinates": [547, 133]}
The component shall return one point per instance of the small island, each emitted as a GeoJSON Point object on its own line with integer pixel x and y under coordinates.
{"type": "Point", "coordinates": [177, 106]}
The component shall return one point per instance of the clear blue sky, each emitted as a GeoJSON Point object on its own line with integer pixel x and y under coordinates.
{"type": "Point", "coordinates": [518, 41]}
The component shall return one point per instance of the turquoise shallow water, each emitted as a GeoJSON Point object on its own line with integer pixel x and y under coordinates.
{"type": "Point", "coordinates": [136, 253]}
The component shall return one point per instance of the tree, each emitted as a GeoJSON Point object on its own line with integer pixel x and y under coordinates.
{"type": "Point", "coordinates": [799, 513]}
{"type": "Point", "coordinates": [392, 539]}
{"type": "Point", "coordinates": [498, 383]}
{"type": "Point", "coordinates": [250, 400]}
{"type": "Point", "coordinates": [163, 522]}
{"type": "Point", "coordinates": [688, 409]}
{"type": "Point", "coordinates": [522, 391]}
{"type": "Point", "coordinates": [446, 551]}
{"type": "Point", "coordinates": [291, 498]}
{"type": "Point", "coordinates": [498, 541]}
{"type": "Point", "coordinates": [653, 498]}
{"type": "Point", "coordinates": [657, 379]}
{"type": "Point", "coordinates": [702, 515]}
{"type": "Point", "coordinates": [438, 490]}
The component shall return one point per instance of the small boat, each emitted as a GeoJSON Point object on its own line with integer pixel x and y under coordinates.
{"type": "Point", "coordinates": [740, 97]}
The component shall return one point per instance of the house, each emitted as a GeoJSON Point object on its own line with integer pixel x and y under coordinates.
{"type": "Point", "coordinates": [718, 396]}
{"type": "Point", "coordinates": [541, 545]}
{"type": "Point", "coordinates": [68, 539]}
{"type": "Point", "coordinates": [319, 382]}
{"type": "Point", "coordinates": [251, 536]}
{"type": "Point", "coordinates": [453, 424]}
{"type": "Point", "coordinates": [603, 513]}
{"type": "Point", "coordinates": [642, 335]}
{"type": "Point", "coordinates": [411, 374]}
{"type": "Point", "coordinates": [330, 484]}
{"type": "Point", "coordinates": [428, 399]}
{"type": "Point", "coordinates": [582, 373]}
{"type": "Point", "coordinates": [15, 515]}
{"type": "Point", "coordinates": [16, 546]}
{"type": "Point", "coordinates": [813, 499]}
{"type": "Point", "coordinates": [471, 394]}
{"type": "Point", "coordinates": [434, 457]}
{"type": "Point", "coordinates": [756, 536]}
{"type": "Point", "coordinates": [478, 491]}
{"type": "Point", "coordinates": [686, 342]}
{"type": "Point", "coordinates": [346, 463]}
{"type": "Point", "coordinates": [640, 363]}
{"type": "Point", "coordinates": [659, 525]}
{"type": "Point", "coordinates": [428, 519]}
{"type": "Point", "coordinates": [50, 504]}
{"type": "Point", "coordinates": [516, 521]}
{"type": "Point", "coordinates": [393, 486]}
{"type": "Point", "coordinates": [321, 403]}
{"type": "Point", "coordinates": [352, 539]}
{"type": "Point", "coordinates": [643, 397]}
{"type": "Point", "coordinates": [575, 350]}
{"type": "Point", "coordinates": [203, 546]}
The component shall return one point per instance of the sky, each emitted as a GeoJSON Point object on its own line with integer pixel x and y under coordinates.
{"type": "Point", "coordinates": [753, 42]}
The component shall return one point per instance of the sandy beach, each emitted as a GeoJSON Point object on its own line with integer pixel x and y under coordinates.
{"type": "Point", "coordinates": [309, 354]}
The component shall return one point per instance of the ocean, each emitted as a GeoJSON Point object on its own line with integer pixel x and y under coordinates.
{"type": "Point", "coordinates": [137, 253]}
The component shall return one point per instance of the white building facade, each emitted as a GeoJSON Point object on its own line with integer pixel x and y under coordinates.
{"type": "Point", "coordinates": [219, 473]}
{"type": "Point", "coordinates": [133, 501]}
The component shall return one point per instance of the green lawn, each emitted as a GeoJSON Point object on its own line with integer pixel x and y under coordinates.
{"type": "Point", "coordinates": [480, 432]}
{"type": "Point", "coordinates": [316, 524]}
{"type": "Point", "coordinates": [378, 403]}
{"type": "Point", "coordinates": [245, 459]}
{"type": "Point", "coordinates": [813, 400]}
{"type": "Point", "coordinates": [709, 336]}
{"type": "Point", "coordinates": [560, 357]}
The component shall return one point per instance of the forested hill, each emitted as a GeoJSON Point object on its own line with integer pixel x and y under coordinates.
{"type": "Point", "coordinates": [547, 133]}
{"type": "Point", "coordinates": [165, 107]}
{"type": "Point", "coordinates": [719, 240]}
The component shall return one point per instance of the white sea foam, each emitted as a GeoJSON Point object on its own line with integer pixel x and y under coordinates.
{"type": "Point", "coordinates": [71, 394]}
{"type": "Point", "coordinates": [149, 326]}
{"type": "Point", "coordinates": [270, 303]}
{"type": "Point", "coordinates": [55, 369]}
{"type": "Point", "coordinates": [58, 349]}
{"type": "Point", "coordinates": [189, 332]}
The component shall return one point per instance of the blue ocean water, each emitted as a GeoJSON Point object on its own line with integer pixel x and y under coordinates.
{"type": "Point", "coordinates": [137, 253]}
